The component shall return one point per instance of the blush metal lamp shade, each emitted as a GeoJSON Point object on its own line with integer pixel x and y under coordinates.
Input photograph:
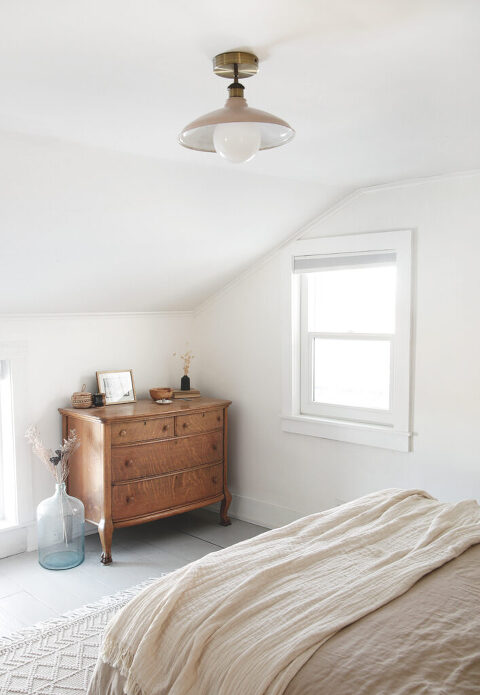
{"type": "Point", "coordinates": [200, 133]}
{"type": "Point", "coordinates": [236, 132]}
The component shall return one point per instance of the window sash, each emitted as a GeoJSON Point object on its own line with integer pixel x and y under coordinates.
{"type": "Point", "coordinates": [330, 410]}
{"type": "Point", "coordinates": [338, 411]}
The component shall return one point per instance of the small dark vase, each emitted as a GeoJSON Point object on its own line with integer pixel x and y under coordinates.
{"type": "Point", "coordinates": [185, 383]}
{"type": "Point", "coordinates": [98, 400]}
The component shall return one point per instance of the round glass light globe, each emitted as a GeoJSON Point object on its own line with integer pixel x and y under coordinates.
{"type": "Point", "coordinates": [237, 142]}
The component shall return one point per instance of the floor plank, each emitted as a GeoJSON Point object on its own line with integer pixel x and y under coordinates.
{"type": "Point", "coordinates": [8, 586]}
{"type": "Point", "coordinates": [25, 608]}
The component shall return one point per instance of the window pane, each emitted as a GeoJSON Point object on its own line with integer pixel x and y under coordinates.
{"type": "Point", "coordinates": [352, 372]}
{"type": "Point", "coordinates": [358, 300]}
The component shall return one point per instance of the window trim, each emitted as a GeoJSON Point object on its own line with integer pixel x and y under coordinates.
{"type": "Point", "coordinates": [396, 434]}
{"type": "Point", "coordinates": [8, 507]}
{"type": "Point", "coordinates": [20, 509]}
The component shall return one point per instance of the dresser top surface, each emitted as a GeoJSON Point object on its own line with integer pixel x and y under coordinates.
{"type": "Point", "coordinates": [144, 408]}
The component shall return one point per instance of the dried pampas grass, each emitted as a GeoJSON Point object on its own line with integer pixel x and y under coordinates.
{"type": "Point", "coordinates": [56, 461]}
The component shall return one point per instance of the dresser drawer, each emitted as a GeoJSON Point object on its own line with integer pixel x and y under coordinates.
{"type": "Point", "coordinates": [130, 500]}
{"type": "Point", "coordinates": [141, 460]}
{"type": "Point", "coordinates": [199, 422]}
{"type": "Point", "coordinates": [142, 430]}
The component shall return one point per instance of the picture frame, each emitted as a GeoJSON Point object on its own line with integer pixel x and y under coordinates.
{"type": "Point", "coordinates": [117, 385]}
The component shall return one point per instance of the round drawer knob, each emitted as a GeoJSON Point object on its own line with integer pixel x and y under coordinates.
{"type": "Point", "coordinates": [185, 425]}
{"type": "Point", "coordinates": [130, 499]}
{"type": "Point", "coordinates": [214, 447]}
{"type": "Point", "coordinates": [214, 479]}
{"type": "Point", "coordinates": [129, 462]}
{"type": "Point", "coordinates": [165, 428]}
{"type": "Point", "coordinates": [123, 433]}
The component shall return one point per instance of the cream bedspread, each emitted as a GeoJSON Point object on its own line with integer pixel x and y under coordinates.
{"type": "Point", "coordinates": [246, 619]}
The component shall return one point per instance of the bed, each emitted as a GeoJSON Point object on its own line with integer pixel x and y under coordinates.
{"type": "Point", "coordinates": [378, 597]}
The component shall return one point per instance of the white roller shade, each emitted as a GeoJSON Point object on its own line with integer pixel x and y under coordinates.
{"type": "Point", "coordinates": [314, 264]}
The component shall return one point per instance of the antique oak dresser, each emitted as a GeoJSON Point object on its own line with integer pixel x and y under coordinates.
{"type": "Point", "coordinates": [142, 461]}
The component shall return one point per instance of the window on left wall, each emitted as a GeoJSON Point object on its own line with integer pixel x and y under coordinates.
{"type": "Point", "coordinates": [7, 445]}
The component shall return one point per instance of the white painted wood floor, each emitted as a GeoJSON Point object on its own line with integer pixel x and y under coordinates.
{"type": "Point", "coordinates": [29, 593]}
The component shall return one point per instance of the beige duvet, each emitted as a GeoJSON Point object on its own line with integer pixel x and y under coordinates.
{"type": "Point", "coordinates": [424, 641]}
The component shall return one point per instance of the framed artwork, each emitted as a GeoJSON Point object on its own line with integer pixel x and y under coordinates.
{"type": "Point", "coordinates": [118, 387]}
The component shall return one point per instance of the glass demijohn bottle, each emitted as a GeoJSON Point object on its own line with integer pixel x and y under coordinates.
{"type": "Point", "coordinates": [61, 530]}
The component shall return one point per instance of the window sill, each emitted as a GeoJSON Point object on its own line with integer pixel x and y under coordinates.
{"type": "Point", "coordinates": [351, 432]}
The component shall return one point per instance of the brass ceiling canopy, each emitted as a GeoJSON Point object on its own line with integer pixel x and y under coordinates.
{"type": "Point", "coordinates": [246, 65]}
{"type": "Point", "coordinates": [237, 131]}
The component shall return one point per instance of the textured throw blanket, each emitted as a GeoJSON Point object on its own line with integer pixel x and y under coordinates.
{"type": "Point", "coordinates": [244, 620]}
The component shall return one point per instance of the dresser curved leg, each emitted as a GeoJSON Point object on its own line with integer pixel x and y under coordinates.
{"type": "Point", "coordinates": [105, 530]}
{"type": "Point", "coordinates": [224, 518]}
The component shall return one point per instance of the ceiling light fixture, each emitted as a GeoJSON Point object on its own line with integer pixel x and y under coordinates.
{"type": "Point", "coordinates": [237, 131]}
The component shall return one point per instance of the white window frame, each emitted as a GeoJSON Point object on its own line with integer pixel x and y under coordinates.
{"type": "Point", "coordinates": [8, 508]}
{"type": "Point", "coordinates": [386, 429]}
{"type": "Point", "coordinates": [15, 527]}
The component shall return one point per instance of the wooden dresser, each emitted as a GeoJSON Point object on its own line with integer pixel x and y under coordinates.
{"type": "Point", "coordinates": [142, 461]}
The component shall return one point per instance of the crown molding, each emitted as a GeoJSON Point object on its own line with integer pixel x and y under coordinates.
{"type": "Point", "coordinates": [419, 181]}
{"type": "Point", "coordinates": [97, 315]}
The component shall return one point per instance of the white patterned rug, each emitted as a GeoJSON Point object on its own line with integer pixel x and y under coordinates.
{"type": "Point", "coordinates": [57, 657]}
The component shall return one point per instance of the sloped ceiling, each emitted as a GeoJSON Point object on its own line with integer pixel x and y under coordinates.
{"type": "Point", "coordinates": [102, 210]}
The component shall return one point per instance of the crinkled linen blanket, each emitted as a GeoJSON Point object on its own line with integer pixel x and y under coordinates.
{"type": "Point", "coordinates": [244, 620]}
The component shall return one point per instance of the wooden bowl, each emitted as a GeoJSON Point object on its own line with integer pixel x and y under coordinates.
{"type": "Point", "coordinates": [159, 394]}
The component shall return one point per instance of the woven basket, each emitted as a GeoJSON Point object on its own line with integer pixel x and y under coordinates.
{"type": "Point", "coordinates": [82, 399]}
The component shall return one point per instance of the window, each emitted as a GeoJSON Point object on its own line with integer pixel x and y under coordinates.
{"type": "Point", "coordinates": [349, 336]}
{"type": "Point", "coordinates": [347, 332]}
{"type": "Point", "coordinates": [7, 444]}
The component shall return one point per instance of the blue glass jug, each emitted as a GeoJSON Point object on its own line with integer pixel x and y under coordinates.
{"type": "Point", "coordinates": [61, 531]}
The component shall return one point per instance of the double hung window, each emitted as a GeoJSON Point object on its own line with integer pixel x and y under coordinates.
{"type": "Point", "coordinates": [350, 338]}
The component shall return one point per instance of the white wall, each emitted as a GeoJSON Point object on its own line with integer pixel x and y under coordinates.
{"type": "Point", "coordinates": [237, 337]}
{"type": "Point", "coordinates": [57, 354]}
{"type": "Point", "coordinates": [274, 475]}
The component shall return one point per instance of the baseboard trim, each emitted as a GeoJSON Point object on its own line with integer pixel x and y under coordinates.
{"type": "Point", "coordinates": [23, 539]}
{"type": "Point", "coordinates": [259, 512]}
{"type": "Point", "coordinates": [13, 540]}
{"type": "Point", "coordinates": [20, 539]}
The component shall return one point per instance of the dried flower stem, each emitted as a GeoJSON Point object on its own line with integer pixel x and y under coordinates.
{"type": "Point", "coordinates": [56, 461]}
{"type": "Point", "coordinates": [187, 358]}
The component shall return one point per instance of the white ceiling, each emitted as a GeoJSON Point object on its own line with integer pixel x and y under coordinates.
{"type": "Point", "coordinates": [93, 184]}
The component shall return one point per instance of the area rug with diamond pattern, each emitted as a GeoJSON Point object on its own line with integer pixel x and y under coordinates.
{"type": "Point", "coordinates": [57, 657]}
